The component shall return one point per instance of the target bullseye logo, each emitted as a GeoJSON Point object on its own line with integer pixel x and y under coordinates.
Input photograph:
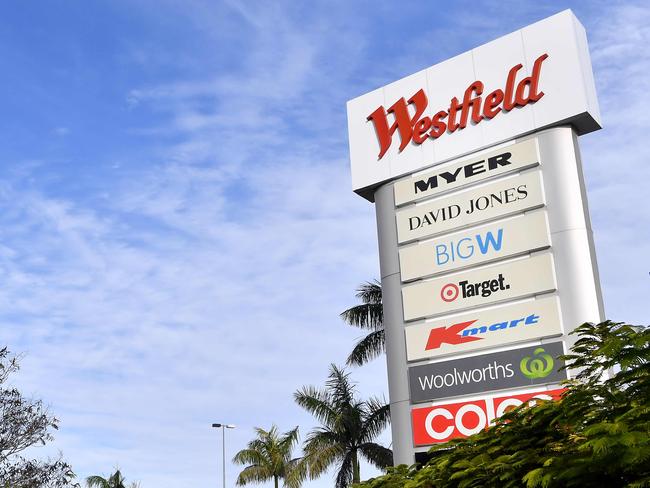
{"type": "Point", "coordinates": [465, 289]}
{"type": "Point", "coordinates": [449, 292]}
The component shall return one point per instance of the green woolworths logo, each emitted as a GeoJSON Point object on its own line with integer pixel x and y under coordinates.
{"type": "Point", "coordinates": [538, 366]}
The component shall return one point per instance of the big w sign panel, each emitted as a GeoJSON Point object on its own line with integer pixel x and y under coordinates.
{"type": "Point", "coordinates": [486, 252]}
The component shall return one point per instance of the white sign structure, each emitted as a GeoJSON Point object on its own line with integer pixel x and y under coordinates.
{"type": "Point", "coordinates": [485, 241]}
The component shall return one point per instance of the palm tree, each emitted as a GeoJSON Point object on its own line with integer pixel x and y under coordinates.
{"type": "Point", "coordinates": [116, 480]}
{"type": "Point", "coordinates": [269, 457]}
{"type": "Point", "coordinates": [348, 427]}
{"type": "Point", "coordinates": [369, 315]}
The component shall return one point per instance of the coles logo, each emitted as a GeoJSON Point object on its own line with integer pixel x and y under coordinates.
{"type": "Point", "coordinates": [455, 117]}
{"type": "Point", "coordinates": [440, 423]}
{"type": "Point", "coordinates": [451, 292]}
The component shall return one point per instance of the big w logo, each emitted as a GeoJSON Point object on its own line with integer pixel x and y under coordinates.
{"type": "Point", "coordinates": [467, 247]}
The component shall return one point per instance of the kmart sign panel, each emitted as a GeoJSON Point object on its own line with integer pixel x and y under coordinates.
{"type": "Point", "coordinates": [496, 327]}
{"type": "Point", "coordinates": [517, 84]}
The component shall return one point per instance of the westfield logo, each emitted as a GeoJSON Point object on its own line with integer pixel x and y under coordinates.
{"type": "Point", "coordinates": [474, 107]}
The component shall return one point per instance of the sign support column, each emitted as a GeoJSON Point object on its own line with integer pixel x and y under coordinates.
{"type": "Point", "coordinates": [398, 389]}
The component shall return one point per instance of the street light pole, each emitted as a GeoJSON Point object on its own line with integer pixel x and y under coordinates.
{"type": "Point", "coordinates": [223, 428]}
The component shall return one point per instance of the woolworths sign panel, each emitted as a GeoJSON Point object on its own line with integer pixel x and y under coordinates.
{"type": "Point", "coordinates": [515, 368]}
{"type": "Point", "coordinates": [486, 251]}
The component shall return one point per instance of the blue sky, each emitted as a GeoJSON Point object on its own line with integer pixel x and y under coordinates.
{"type": "Point", "coordinates": [178, 233]}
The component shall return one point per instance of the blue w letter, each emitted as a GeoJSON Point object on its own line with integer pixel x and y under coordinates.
{"type": "Point", "coordinates": [484, 245]}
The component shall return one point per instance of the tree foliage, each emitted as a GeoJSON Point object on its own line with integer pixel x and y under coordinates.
{"type": "Point", "coordinates": [116, 480]}
{"type": "Point", "coordinates": [596, 435]}
{"type": "Point", "coordinates": [368, 315]}
{"type": "Point", "coordinates": [348, 428]}
{"type": "Point", "coordinates": [269, 457]}
{"type": "Point", "coordinates": [25, 423]}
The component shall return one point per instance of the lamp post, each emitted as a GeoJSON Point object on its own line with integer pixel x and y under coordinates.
{"type": "Point", "coordinates": [223, 428]}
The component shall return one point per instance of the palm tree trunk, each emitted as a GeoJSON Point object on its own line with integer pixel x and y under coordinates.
{"type": "Point", "coordinates": [356, 473]}
{"type": "Point", "coordinates": [275, 480]}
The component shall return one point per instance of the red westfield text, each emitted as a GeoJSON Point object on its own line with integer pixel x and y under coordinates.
{"type": "Point", "coordinates": [432, 425]}
{"type": "Point", "coordinates": [473, 106]}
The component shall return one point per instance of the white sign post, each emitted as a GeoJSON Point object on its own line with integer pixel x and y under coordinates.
{"type": "Point", "coordinates": [485, 241]}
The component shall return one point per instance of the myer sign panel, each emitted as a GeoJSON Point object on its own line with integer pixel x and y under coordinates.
{"type": "Point", "coordinates": [503, 197]}
{"type": "Point", "coordinates": [455, 175]}
{"type": "Point", "coordinates": [483, 286]}
{"type": "Point", "coordinates": [526, 366]}
{"type": "Point", "coordinates": [519, 322]}
{"type": "Point", "coordinates": [498, 240]}
{"type": "Point", "coordinates": [440, 423]}
{"type": "Point", "coordinates": [514, 85]}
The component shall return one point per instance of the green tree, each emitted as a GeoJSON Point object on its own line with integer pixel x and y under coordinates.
{"type": "Point", "coordinates": [269, 457]}
{"type": "Point", "coordinates": [25, 422]}
{"type": "Point", "coordinates": [368, 315]}
{"type": "Point", "coordinates": [348, 428]}
{"type": "Point", "coordinates": [597, 435]}
{"type": "Point", "coordinates": [116, 480]}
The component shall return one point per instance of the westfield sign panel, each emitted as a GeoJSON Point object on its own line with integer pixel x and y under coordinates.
{"type": "Point", "coordinates": [486, 252]}
{"type": "Point", "coordinates": [419, 128]}
{"type": "Point", "coordinates": [517, 84]}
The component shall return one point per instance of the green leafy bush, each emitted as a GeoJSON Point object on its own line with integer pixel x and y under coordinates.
{"type": "Point", "coordinates": [596, 435]}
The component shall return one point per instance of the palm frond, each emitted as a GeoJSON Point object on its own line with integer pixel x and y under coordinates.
{"type": "Point", "coordinates": [288, 441]}
{"type": "Point", "coordinates": [97, 482]}
{"type": "Point", "coordinates": [369, 314]}
{"type": "Point", "coordinates": [346, 423]}
{"type": "Point", "coordinates": [269, 457]}
{"type": "Point", "coordinates": [368, 348]}
{"type": "Point", "coordinates": [340, 388]}
{"type": "Point", "coordinates": [319, 460]}
{"type": "Point", "coordinates": [345, 472]}
{"type": "Point", "coordinates": [377, 418]}
{"type": "Point", "coordinates": [369, 292]}
{"type": "Point", "coordinates": [376, 454]}
{"type": "Point", "coordinates": [297, 471]}
{"type": "Point", "coordinates": [316, 402]}
{"type": "Point", "coordinates": [254, 474]}
{"type": "Point", "coordinates": [249, 456]}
